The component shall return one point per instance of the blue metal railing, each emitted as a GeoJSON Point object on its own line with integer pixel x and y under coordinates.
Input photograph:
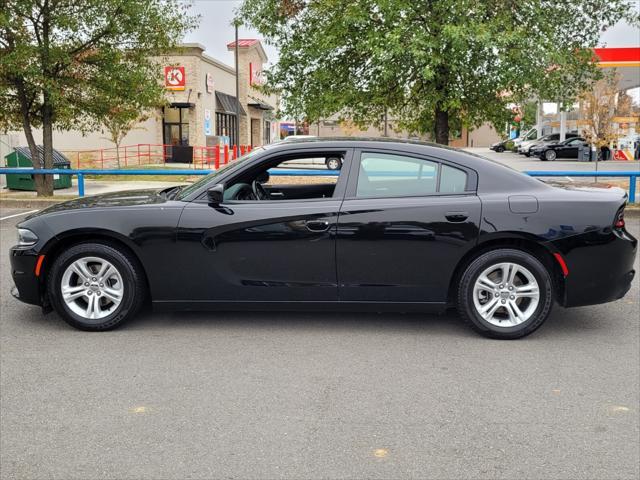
{"type": "Point", "coordinates": [633, 176]}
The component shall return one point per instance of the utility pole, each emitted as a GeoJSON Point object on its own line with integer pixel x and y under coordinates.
{"type": "Point", "coordinates": [237, 132]}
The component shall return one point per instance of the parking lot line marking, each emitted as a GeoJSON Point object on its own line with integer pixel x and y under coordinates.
{"type": "Point", "coordinates": [18, 215]}
{"type": "Point", "coordinates": [618, 408]}
{"type": "Point", "coordinates": [380, 452]}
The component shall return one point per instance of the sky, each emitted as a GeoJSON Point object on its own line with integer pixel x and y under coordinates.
{"type": "Point", "coordinates": [215, 30]}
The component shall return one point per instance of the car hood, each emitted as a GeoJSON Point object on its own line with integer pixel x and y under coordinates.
{"type": "Point", "coordinates": [129, 198]}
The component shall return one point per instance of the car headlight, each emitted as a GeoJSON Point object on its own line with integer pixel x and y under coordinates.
{"type": "Point", "coordinates": [26, 237]}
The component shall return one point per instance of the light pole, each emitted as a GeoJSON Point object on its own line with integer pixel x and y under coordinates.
{"type": "Point", "coordinates": [237, 132]}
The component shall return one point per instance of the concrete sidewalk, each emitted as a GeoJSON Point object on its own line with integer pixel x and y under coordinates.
{"type": "Point", "coordinates": [92, 187]}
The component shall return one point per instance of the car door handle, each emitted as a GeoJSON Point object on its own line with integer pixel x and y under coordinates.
{"type": "Point", "coordinates": [456, 217]}
{"type": "Point", "coordinates": [276, 194]}
{"type": "Point", "coordinates": [317, 225]}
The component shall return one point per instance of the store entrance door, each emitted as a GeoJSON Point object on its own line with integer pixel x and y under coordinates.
{"type": "Point", "coordinates": [175, 134]}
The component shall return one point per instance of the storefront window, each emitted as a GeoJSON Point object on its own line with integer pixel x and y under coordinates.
{"type": "Point", "coordinates": [267, 132]}
{"type": "Point", "coordinates": [226, 126]}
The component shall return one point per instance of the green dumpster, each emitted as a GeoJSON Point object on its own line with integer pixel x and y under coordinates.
{"type": "Point", "coordinates": [21, 158]}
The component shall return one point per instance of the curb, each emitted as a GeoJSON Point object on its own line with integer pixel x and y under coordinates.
{"type": "Point", "coordinates": [29, 203]}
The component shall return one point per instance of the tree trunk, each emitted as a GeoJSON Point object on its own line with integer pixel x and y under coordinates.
{"type": "Point", "coordinates": [28, 132]}
{"type": "Point", "coordinates": [47, 144]}
{"type": "Point", "coordinates": [442, 127]}
{"type": "Point", "coordinates": [45, 187]}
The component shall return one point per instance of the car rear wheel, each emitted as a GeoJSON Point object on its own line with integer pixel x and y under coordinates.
{"type": "Point", "coordinates": [95, 286]}
{"type": "Point", "coordinates": [550, 155]}
{"type": "Point", "coordinates": [505, 294]}
{"type": "Point", "coordinates": [333, 163]}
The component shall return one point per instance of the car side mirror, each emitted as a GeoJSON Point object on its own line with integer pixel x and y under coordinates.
{"type": "Point", "coordinates": [215, 194]}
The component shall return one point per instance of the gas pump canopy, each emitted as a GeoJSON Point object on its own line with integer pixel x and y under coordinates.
{"type": "Point", "coordinates": [625, 60]}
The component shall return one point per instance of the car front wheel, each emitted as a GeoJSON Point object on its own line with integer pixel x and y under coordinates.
{"type": "Point", "coordinates": [505, 294]}
{"type": "Point", "coordinates": [95, 286]}
{"type": "Point", "coordinates": [500, 149]}
{"type": "Point", "coordinates": [550, 155]}
{"type": "Point", "coordinates": [333, 163]}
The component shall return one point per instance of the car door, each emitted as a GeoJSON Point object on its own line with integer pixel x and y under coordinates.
{"type": "Point", "coordinates": [570, 149]}
{"type": "Point", "coordinates": [404, 225]}
{"type": "Point", "coordinates": [262, 251]}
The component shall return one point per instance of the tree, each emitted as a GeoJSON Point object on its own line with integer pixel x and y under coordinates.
{"type": "Point", "coordinates": [598, 107]}
{"type": "Point", "coordinates": [120, 123]}
{"type": "Point", "coordinates": [433, 63]}
{"type": "Point", "coordinates": [66, 64]}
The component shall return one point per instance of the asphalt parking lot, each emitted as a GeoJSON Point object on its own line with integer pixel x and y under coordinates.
{"type": "Point", "coordinates": [317, 395]}
{"type": "Point", "coordinates": [520, 162]}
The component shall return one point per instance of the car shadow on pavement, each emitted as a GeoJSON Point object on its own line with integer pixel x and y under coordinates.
{"type": "Point", "coordinates": [569, 322]}
{"type": "Point", "coordinates": [563, 322]}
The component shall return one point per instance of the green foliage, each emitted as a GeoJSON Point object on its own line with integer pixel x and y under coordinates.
{"type": "Point", "coordinates": [468, 58]}
{"type": "Point", "coordinates": [70, 64]}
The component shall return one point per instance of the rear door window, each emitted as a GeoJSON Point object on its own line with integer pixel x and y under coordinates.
{"type": "Point", "coordinates": [385, 175]}
{"type": "Point", "coordinates": [452, 180]}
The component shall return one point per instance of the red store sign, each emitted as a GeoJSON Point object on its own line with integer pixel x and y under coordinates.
{"type": "Point", "coordinates": [174, 78]}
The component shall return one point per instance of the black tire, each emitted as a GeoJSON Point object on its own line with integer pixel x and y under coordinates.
{"type": "Point", "coordinates": [500, 149]}
{"type": "Point", "coordinates": [550, 155]}
{"type": "Point", "coordinates": [333, 163]}
{"type": "Point", "coordinates": [467, 309]}
{"type": "Point", "coordinates": [134, 285]}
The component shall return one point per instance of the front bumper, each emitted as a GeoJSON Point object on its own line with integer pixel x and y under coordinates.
{"type": "Point", "coordinates": [27, 286]}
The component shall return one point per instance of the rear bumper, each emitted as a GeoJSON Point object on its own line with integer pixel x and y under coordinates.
{"type": "Point", "coordinates": [27, 285]}
{"type": "Point", "coordinates": [601, 266]}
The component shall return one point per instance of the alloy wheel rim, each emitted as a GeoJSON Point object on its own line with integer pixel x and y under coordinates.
{"type": "Point", "coordinates": [92, 288]}
{"type": "Point", "coordinates": [551, 155]}
{"type": "Point", "coordinates": [506, 294]}
{"type": "Point", "coordinates": [333, 164]}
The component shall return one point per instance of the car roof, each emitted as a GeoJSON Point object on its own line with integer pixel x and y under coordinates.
{"type": "Point", "coordinates": [494, 172]}
{"type": "Point", "coordinates": [493, 176]}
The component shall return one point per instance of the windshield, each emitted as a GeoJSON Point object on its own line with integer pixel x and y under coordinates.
{"type": "Point", "coordinates": [189, 189]}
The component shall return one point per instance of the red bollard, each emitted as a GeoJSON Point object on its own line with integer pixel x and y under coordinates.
{"type": "Point", "coordinates": [249, 148]}
{"type": "Point", "coordinates": [217, 160]}
{"type": "Point", "coordinates": [226, 154]}
{"type": "Point", "coordinates": [235, 152]}
{"type": "Point", "coordinates": [242, 150]}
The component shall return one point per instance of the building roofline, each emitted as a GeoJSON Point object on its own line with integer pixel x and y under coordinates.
{"type": "Point", "coordinates": [205, 57]}
{"type": "Point", "coordinates": [249, 43]}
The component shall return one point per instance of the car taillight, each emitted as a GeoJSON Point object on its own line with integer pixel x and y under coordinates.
{"type": "Point", "coordinates": [619, 221]}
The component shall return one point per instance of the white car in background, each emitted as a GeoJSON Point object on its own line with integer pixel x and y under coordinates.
{"type": "Point", "coordinates": [332, 162]}
{"type": "Point", "coordinates": [529, 135]}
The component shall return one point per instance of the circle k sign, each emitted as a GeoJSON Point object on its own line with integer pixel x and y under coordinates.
{"type": "Point", "coordinates": [174, 78]}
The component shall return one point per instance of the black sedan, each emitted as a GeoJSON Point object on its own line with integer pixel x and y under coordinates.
{"type": "Point", "coordinates": [402, 226]}
{"type": "Point", "coordinates": [566, 149]}
{"type": "Point", "coordinates": [499, 147]}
